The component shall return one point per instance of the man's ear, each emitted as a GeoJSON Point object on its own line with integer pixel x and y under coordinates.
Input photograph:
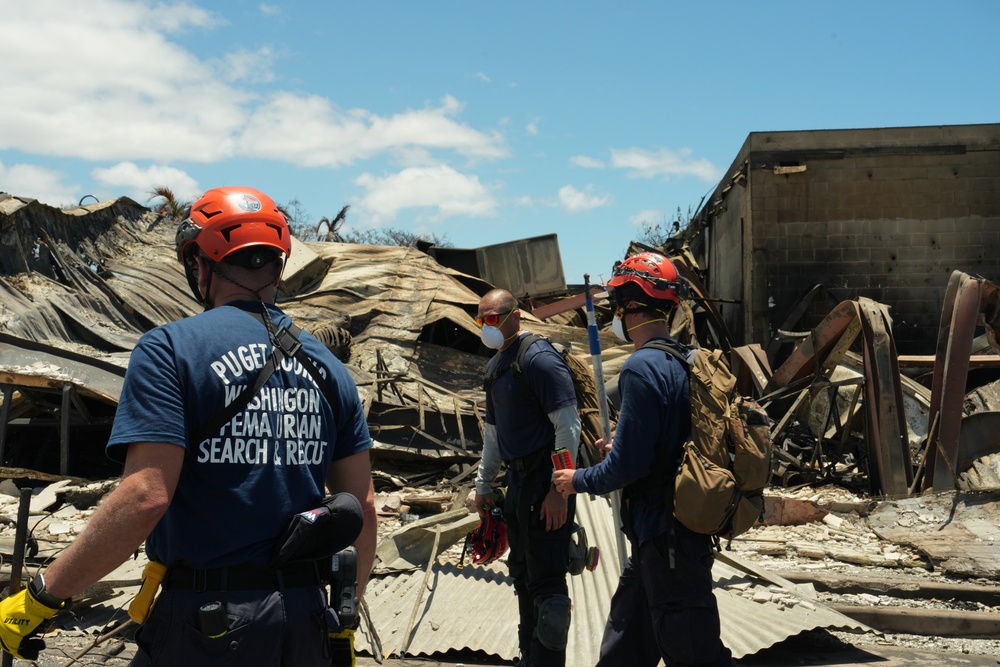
{"type": "Point", "coordinates": [204, 270]}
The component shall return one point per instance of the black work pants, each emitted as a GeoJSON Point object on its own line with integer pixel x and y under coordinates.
{"type": "Point", "coordinates": [663, 612]}
{"type": "Point", "coordinates": [538, 560]}
{"type": "Point", "coordinates": [263, 628]}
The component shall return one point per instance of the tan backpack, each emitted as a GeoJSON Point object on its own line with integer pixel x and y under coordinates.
{"type": "Point", "coordinates": [726, 464]}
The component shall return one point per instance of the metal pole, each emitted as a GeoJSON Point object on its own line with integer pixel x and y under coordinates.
{"type": "Point", "coordinates": [17, 564]}
{"type": "Point", "coordinates": [67, 396]}
{"type": "Point", "coordinates": [602, 406]}
{"type": "Point", "coordinates": [8, 395]}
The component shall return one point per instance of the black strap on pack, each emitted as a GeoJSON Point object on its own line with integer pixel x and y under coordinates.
{"type": "Point", "coordinates": [288, 345]}
{"type": "Point", "coordinates": [659, 482]}
{"type": "Point", "coordinates": [672, 349]}
{"type": "Point", "coordinates": [493, 370]}
{"type": "Point", "coordinates": [493, 373]}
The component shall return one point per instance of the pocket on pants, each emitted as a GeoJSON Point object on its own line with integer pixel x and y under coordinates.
{"type": "Point", "coordinates": [253, 636]}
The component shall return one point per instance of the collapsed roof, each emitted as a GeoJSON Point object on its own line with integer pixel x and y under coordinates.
{"type": "Point", "coordinates": [81, 285]}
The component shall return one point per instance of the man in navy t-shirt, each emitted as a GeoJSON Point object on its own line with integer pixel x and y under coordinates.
{"type": "Point", "coordinates": [212, 499]}
{"type": "Point", "coordinates": [526, 419]}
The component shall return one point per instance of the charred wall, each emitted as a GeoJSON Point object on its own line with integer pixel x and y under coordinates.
{"type": "Point", "coordinates": [887, 214]}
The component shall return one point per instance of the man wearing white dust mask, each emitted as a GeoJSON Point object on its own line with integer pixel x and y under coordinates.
{"type": "Point", "coordinates": [530, 412]}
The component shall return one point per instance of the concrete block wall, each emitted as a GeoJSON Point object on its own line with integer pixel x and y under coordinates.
{"type": "Point", "coordinates": [890, 227]}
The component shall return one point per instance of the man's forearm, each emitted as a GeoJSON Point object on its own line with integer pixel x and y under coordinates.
{"type": "Point", "coordinates": [118, 528]}
{"type": "Point", "coordinates": [489, 466]}
{"type": "Point", "coordinates": [566, 422]}
{"type": "Point", "coordinates": [366, 542]}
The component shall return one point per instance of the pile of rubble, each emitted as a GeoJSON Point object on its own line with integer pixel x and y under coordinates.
{"type": "Point", "coordinates": [884, 464]}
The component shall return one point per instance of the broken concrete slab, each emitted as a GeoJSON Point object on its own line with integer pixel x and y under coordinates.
{"type": "Point", "coordinates": [958, 532]}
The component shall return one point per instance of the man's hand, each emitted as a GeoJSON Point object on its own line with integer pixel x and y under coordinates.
{"type": "Point", "coordinates": [482, 501]}
{"type": "Point", "coordinates": [21, 614]}
{"type": "Point", "coordinates": [605, 449]}
{"type": "Point", "coordinates": [562, 480]}
{"type": "Point", "coordinates": [554, 509]}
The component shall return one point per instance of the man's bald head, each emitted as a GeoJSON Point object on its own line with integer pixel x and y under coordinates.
{"type": "Point", "coordinates": [498, 301]}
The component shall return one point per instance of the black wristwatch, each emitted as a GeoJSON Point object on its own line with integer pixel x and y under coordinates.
{"type": "Point", "coordinates": [36, 586]}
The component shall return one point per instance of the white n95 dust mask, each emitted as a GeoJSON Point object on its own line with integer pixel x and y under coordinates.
{"type": "Point", "coordinates": [618, 328]}
{"type": "Point", "coordinates": [491, 337]}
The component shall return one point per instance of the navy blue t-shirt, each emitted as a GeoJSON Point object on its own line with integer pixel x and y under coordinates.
{"type": "Point", "coordinates": [238, 488]}
{"type": "Point", "coordinates": [653, 424]}
{"type": "Point", "coordinates": [522, 423]}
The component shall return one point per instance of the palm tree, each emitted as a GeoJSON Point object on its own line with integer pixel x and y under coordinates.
{"type": "Point", "coordinates": [170, 206]}
{"type": "Point", "coordinates": [332, 227]}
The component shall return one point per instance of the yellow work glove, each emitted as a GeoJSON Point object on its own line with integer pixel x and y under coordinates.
{"type": "Point", "coordinates": [342, 648]}
{"type": "Point", "coordinates": [22, 613]}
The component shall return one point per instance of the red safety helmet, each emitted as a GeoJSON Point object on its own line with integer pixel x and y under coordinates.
{"type": "Point", "coordinates": [488, 541]}
{"type": "Point", "coordinates": [228, 219]}
{"type": "Point", "coordinates": [654, 273]}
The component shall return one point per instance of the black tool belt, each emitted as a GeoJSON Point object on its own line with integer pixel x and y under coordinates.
{"type": "Point", "coordinates": [529, 462]}
{"type": "Point", "coordinates": [245, 577]}
{"type": "Point", "coordinates": [657, 485]}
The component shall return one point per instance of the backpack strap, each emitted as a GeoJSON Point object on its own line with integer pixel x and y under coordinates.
{"type": "Point", "coordinates": [493, 370]}
{"type": "Point", "coordinates": [671, 349]}
{"type": "Point", "coordinates": [288, 345]}
{"type": "Point", "coordinates": [518, 365]}
{"type": "Point", "coordinates": [493, 373]}
{"type": "Point", "coordinates": [660, 478]}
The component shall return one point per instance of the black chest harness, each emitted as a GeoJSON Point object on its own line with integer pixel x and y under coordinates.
{"type": "Point", "coordinates": [286, 346]}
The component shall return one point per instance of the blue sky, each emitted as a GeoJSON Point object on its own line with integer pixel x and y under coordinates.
{"type": "Point", "coordinates": [477, 122]}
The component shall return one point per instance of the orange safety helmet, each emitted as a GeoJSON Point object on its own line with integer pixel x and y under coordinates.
{"type": "Point", "coordinates": [228, 219]}
{"type": "Point", "coordinates": [654, 273]}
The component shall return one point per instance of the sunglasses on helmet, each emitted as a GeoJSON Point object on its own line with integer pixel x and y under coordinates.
{"type": "Point", "coordinates": [493, 319]}
{"type": "Point", "coordinates": [680, 286]}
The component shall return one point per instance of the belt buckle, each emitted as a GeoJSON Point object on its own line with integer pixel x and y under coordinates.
{"type": "Point", "coordinates": [200, 581]}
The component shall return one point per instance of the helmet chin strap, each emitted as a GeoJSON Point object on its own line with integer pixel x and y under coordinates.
{"type": "Point", "coordinates": [192, 279]}
{"type": "Point", "coordinates": [256, 292]}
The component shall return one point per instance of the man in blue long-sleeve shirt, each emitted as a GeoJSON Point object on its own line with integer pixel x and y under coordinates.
{"type": "Point", "coordinates": [664, 606]}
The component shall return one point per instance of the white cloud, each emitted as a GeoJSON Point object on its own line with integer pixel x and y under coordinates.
{"type": "Point", "coordinates": [440, 189]}
{"type": "Point", "coordinates": [664, 162]}
{"type": "Point", "coordinates": [101, 81]}
{"type": "Point", "coordinates": [532, 127]}
{"type": "Point", "coordinates": [269, 10]}
{"type": "Point", "coordinates": [586, 162]}
{"type": "Point", "coordinates": [310, 131]}
{"type": "Point", "coordinates": [482, 76]}
{"type": "Point", "coordinates": [649, 216]}
{"type": "Point", "coordinates": [138, 182]}
{"type": "Point", "coordinates": [34, 182]}
{"type": "Point", "coordinates": [105, 81]}
{"type": "Point", "coordinates": [250, 66]}
{"type": "Point", "coordinates": [577, 201]}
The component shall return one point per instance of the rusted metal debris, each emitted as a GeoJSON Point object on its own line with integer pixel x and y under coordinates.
{"type": "Point", "coordinates": [968, 302]}
{"type": "Point", "coordinates": [841, 408]}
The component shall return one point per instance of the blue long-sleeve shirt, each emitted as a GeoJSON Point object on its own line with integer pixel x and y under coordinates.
{"type": "Point", "coordinates": [653, 424]}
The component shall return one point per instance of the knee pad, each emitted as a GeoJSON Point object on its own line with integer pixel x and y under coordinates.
{"type": "Point", "coordinates": [552, 622]}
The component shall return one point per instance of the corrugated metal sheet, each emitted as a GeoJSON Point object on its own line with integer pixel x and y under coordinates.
{"type": "Point", "coordinates": [526, 266]}
{"type": "Point", "coordinates": [531, 266]}
{"type": "Point", "coordinates": [92, 377]}
{"type": "Point", "coordinates": [474, 608]}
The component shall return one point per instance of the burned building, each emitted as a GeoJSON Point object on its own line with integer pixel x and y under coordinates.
{"type": "Point", "coordinates": [886, 213]}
